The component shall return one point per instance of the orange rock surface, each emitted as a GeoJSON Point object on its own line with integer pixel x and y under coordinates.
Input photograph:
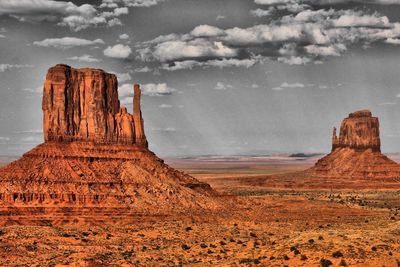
{"type": "Point", "coordinates": [95, 153]}
{"type": "Point", "coordinates": [82, 104]}
{"type": "Point", "coordinates": [360, 131]}
{"type": "Point", "coordinates": [357, 151]}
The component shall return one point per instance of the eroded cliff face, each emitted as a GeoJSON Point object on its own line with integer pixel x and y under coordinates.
{"type": "Point", "coordinates": [360, 131]}
{"type": "Point", "coordinates": [95, 154]}
{"type": "Point", "coordinates": [83, 105]}
{"type": "Point", "coordinates": [356, 152]}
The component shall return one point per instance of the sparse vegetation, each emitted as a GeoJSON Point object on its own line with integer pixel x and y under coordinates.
{"type": "Point", "coordinates": [337, 254]}
{"type": "Point", "coordinates": [286, 257]}
{"type": "Point", "coordinates": [185, 247]}
{"type": "Point", "coordinates": [325, 262]}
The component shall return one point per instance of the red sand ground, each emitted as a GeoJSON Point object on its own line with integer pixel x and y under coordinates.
{"type": "Point", "coordinates": [272, 219]}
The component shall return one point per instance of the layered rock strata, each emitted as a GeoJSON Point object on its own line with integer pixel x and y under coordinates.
{"type": "Point", "coordinates": [95, 153]}
{"type": "Point", "coordinates": [83, 105]}
{"type": "Point", "coordinates": [360, 131]}
{"type": "Point", "coordinates": [356, 152]}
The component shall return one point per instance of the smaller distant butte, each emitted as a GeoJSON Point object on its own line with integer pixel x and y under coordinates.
{"type": "Point", "coordinates": [356, 152]}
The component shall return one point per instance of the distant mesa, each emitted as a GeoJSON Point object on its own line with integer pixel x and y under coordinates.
{"type": "Point", "coordinates": [95, 153]}
{"type": "Point", "coordinates": [356, 152]}
{"type": "Point", "coordinates": [303, 155]}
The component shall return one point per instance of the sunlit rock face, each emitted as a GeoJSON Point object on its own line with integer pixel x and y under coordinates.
{"type": "Point", "coordinates": [82, 104]}
{"type": "Point", "coordinates": [95, 153]}
{"type": "Point", "coordinates": [360, 131]}
{"type": "Point", "coordinates": [357, 151]}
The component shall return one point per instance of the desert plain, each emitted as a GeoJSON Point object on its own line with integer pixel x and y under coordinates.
{"type": "Point", "coordinates": [270, 217]}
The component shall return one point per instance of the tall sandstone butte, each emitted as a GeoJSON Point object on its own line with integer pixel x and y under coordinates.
{"type": "Point", "coordinates": [360, 131]}
{"type": "Point", "coordinates": [83, 105]}
{"type": "Point", "coordinates": [357, 151]}
{"type": "Point", "coordinates": [95, 153]}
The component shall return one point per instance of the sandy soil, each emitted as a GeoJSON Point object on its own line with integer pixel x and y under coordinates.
{"type": "Point", "coordinates": [266, 223]}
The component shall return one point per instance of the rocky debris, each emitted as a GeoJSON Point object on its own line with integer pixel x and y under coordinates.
{"type": "Point", "coordinates": [357, 151]}
{"type": "Point", "coordinates": [95, 153]}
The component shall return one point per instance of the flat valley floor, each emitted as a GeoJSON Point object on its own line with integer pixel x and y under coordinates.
{"type": "Point", "coordinates": [273, 217]}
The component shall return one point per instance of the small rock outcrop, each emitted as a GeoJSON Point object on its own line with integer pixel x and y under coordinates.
{"type": "Point", "coordinates": [95, 154]}
{"type": "Point", "coordinates": [356, 152]}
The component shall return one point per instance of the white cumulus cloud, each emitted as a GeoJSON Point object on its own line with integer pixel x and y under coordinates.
{"type": "Point", "coordinates": [84, 58]}
{"type": "Point", "coordinates": [117, 51]}
{"type": "Point", "coordinates": [5, 67]}
{"type": "Point", "coordinates": [67, 42]}
{"type": "Point", "coordinates": [123, 36]}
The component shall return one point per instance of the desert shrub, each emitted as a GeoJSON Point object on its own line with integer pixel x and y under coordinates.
{"type": "Point", "coordinates": [303, 257]}
{"type": "Point", "coordinates": [187, 229]}
{"type": "Point", "coordinates": [271, 258]}
{"type": "Point", "coordinates": [343, 263]}
{"type": "Point", "coordinates": [85, 233]}
{"type": "Point", "coordinates": [337, 254]}
{"type": "Point", "coordinates": [65, 235]}
{"type": "Point", "coordinates": [320, 237]}
{"type": "Point", "coordinates": [203, 245]}
{"type": "Point", "coordinates": [325, 262]}
{"type": "Point", "coordinates": [311, 241]}
{"type": "Point", "coordinates": [245, 260]}
{"type": "Point", "coordinates": [222, 243]}
{"type": "Point", "coordinates": [286, 258]}
{"type": "Point", "coordinates": [127, 254]}
{"type": "Point", "coordinates": [295, 250]}
{"type": "Point", "coordinates": [253, 234]}
{"type": "Point", "coordinates": [185, 247]}
{"type": "Point", "coordinates": [374, 248]}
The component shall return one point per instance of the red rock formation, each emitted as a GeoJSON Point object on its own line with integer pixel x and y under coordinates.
{"type": "Point", "coordinates": [82, 104]}
{"type": "Point", "coordinates": [357, 151]}
{"type": "Point", "coordinates": [95, 153]}
{"type": "Point", "coordinates": [359, 131]}
{"type": "Point", "coordinates": [140, 137]}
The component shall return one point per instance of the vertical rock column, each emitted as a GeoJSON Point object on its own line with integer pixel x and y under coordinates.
{"type": "Point", "coordinates": [335, 140]}
{"type": "Point", "coordinates": [140, 137]}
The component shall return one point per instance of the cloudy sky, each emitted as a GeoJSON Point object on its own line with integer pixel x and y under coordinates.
{"type": "Point", "coordinates": [219, 77]}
